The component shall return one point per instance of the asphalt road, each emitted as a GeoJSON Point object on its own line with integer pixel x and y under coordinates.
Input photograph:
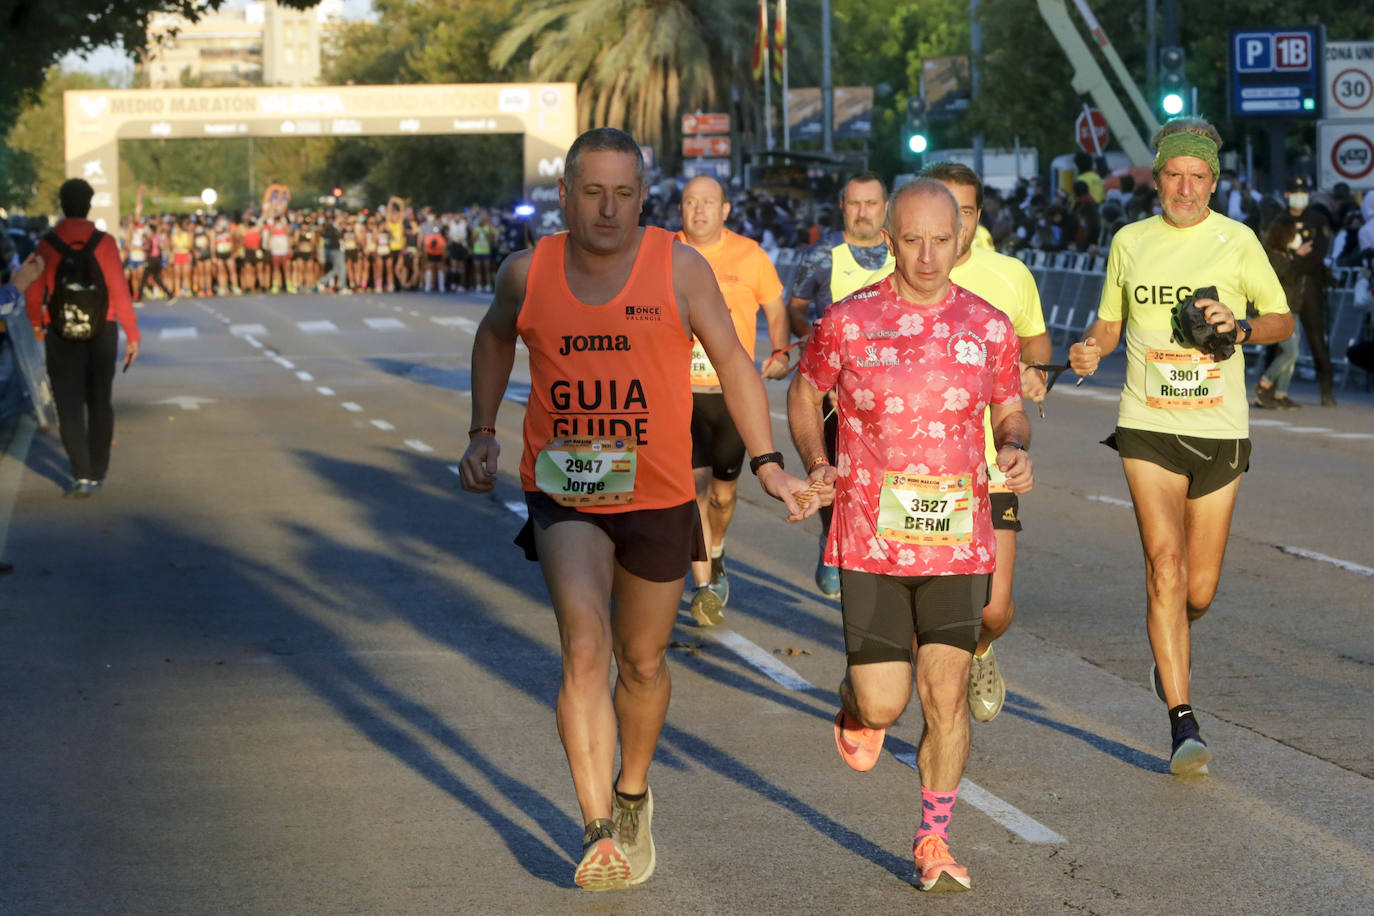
{"type": "Point", "coordinates": [284, 665]}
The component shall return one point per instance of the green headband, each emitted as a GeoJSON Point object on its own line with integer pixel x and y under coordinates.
{"type": "Point", "coordinates": [1186, 143]}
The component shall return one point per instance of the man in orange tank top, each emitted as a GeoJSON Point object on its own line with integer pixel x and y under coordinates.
{"type": "Point", "coordinates": [608, 312]}
{"type": "Point", "coordinates": [748, 281]}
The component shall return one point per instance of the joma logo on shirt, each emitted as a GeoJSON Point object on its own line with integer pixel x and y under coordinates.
{"type": "Point", "coordinates": [582, 343]}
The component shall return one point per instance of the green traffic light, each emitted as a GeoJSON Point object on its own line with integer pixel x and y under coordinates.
{"type": "Point", "coordinates": [1172, 103]}
{"type": "Point", "coordinates": [917, 143]}
{"type": "Point", "coordinates": [1309, 104]}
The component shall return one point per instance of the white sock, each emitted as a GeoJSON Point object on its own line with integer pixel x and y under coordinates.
{"type": "Point", "coordinates": [718, 551]}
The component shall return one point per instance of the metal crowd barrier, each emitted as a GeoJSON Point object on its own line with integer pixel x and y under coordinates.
{"type": "Point", "coordinates": [1070, 285]}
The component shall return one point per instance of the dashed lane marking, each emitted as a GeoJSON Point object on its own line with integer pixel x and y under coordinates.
{"type": "Point", "coordinates": [419, 446]}
{"type": "Point", "coordinates": [383, 425]}
{"type": "Point", "coordinates": [317, 327]}
{"type": "Point", "coordinates": [177, 333]}
{"type": "Point", "coordinates": [385, 324]}
{"type": "Point", "coordinates": [325, 390]}
{"type": "Point", "coordinates": [351, 407]}
{"type": "Point", "coordinates": [305, 376]}
{"type": "Point", "coordinates": [244, 330]}
{"type": "Point", "coordinates": [1111, 501]}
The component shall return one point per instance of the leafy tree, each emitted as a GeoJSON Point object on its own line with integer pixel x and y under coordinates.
{"type": "Point", "coordinates": [36, 142]}
{"type": "Point", "coordinates": [641, 64]}
{"type": "Point", "coordinates": [427, 42]}
{"type": "Point", "coordinates": [38, 34]}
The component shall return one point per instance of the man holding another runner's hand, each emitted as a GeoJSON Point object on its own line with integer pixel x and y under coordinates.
{"type": "Point", "coordinates": [608, 311]}
{"type": "Point", "coordinates": [915, 360]}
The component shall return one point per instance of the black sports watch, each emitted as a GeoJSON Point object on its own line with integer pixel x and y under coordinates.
{"type": "Point", "coordinates": [1014, 444]}
{"type": "Point", "coordinates": [1243, 325]}
{"type": "Point", "coordinates": [765, 458]}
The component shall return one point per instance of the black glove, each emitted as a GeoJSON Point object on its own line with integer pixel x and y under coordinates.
{"type": "Point", "coordinates": [1192, 330]}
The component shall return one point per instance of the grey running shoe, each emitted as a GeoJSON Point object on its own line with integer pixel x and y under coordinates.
{"type": "Point", "coordinates": [604, 866]}
{"type": "Point", "coordinates": [720, 579]}
{"type": "Point", "coordinates": [707, 608]}
{"type": "Point", "coordinates": [986, 689]}
{"type": "Point", "coordinates": [1191, 755]}
{"type": "Point", "coordinates": [1264, 397]}
{"type": "Point", "coordinates": [632, 826]}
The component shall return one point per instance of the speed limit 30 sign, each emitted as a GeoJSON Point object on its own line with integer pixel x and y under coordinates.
{"type": "Point", "coordinates": [1349, 79]}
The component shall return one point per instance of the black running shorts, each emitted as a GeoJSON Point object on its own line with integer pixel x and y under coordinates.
{"type": "Point", "coordinates": [716, 443]}
{"type": "Point", "coordinates": [1006, 511]}
{"type": "Point", "coordinates": [882, 613]}
{"type": "Point", "coordinates": [654, 544]}
{"type": "Point", "coordinates": [1209, 464]}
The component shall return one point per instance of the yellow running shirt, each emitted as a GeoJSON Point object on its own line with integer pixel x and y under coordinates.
{"type": "Point", "coordinates": [1153, 266]}
{"type": "Point", "coordinates": [1007, 285]}
{"type": "Point", "coordinates": [747, 280]}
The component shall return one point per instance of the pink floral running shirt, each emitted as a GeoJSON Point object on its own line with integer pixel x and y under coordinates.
{"type": "Point", "coordinates": [912, 383]}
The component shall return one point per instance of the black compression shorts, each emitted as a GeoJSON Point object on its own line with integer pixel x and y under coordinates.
{"type": "Point", "coordinates": [716, 443]}
{"type": "Point", "coordinates": [883, 613]}
{"type": "Point", "coordinates": [1209, 464]}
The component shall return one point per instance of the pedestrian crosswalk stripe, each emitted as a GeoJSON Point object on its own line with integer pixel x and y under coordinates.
{"type": "Point", "coordinates": [318, 327]}
{"type": "Point", "coordinates": [385, 324]}
{"type": "Point", "coordinates": [177, 333]}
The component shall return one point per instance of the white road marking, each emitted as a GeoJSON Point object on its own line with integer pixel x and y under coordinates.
{"type": "Point", "coordinates": [283, 362]}
{"type": "Point", "coordinates": [385, 324]}
{"type": "Point", "coordinates": [1308, 429]}
{"type": "Point", "coordinates": [351, 407]}
{"type": "Point", "coordinates": [1261, 421]}
{"type": "Point", "coordinates": [177, 333]}
{"type": "Point", "coordinates": [186, 401]}
{"type": "Point", "coordinates": [1352, 436]}
{"type": "Point", "coordinates": [305, 376]}
{"type": "Point", "coordinates": [1004, 813]}
{"type": "Point", "coordinates": [325, 390]}
{"type": "Point", "coordinates": [244, 330]}
{"type": "Point", "coordinates": [759, 659]}
{"type": "Point", "coordinates": [257, 344]}
{"type": "Point", "coordinates": [419, 446]}
{"type": "Point", "coordinates": [383, 425]}
{"type": "Point", "coordinates": [519, 509]}
{"type": "Point", "coordinates": [1323, 558]}
{"type": "Point", "coordinates": [414, 314]}
{"type": "Point", "coordinates": [777, 416]}
{"type": "Point", "coordinates": [1111, 501]}
{"type": "Point", "coordinates": [317, 327]}
{"type": "Point", "coordinates": [456, 321]}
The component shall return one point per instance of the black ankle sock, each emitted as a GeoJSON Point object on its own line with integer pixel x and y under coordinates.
{"type": "Point", "coordinates": [626, 795]}
{"type": "Point", "coordinates": [1181, 722]}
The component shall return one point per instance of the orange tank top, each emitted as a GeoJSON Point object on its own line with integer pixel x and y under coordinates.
{"type": "Point", "coordinates": [614, 370]}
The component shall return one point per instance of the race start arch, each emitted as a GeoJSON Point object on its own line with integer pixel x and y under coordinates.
{"type": "Point", "coordinates": [545, 113]}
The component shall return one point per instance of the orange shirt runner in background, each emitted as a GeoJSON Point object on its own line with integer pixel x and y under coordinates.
{"type": "Point", "coordinates": [747, 280]}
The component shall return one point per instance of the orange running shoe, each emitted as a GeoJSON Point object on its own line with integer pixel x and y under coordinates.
{"type": "Point", "coordinates": [935, 867]}
{"type": "Point", "coordinates": [604, 866]}
{"type": "Point", "coordinates": [859, 746]}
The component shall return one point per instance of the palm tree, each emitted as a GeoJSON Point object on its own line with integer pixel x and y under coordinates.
{"type": "Point", "coordinates": [640, 64]}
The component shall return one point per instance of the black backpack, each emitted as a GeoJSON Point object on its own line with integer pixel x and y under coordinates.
{"type": "Point", "coordinates": [80, 299]}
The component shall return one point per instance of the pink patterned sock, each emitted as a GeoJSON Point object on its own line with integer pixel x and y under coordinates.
{"type": "Point", "coordinates": [936, 808]}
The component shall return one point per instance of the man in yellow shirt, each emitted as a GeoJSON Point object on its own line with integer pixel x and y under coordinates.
{"type": "Point", "coordinates": [1006, 284]}
{"type": "Point", "coordinates": [1183, 424]}
{"type": "Point", "coordinates": [749, 282]}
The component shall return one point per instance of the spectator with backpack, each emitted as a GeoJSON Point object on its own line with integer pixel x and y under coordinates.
{"type": "Point", "coordinates": [73, 307]}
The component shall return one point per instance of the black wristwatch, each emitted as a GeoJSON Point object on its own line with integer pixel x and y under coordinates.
{"type": "Point", "coordinates": [1014, 444]}
{"type": "Point", "coordinates": [765, 458]}
{"type": "Point", "coordinates": [1243, 325]}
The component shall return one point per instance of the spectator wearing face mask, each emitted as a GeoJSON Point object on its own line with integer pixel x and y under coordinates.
{"type": "Point", "coordinates": [1309, 266]}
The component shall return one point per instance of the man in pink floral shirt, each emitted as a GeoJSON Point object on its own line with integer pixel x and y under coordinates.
{"type": "Point", "coordinates": [914, 360]}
